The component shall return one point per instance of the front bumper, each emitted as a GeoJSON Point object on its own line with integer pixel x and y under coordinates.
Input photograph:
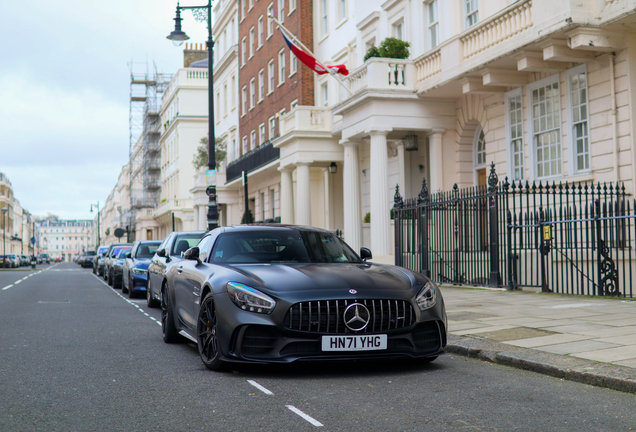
{"type": "Point", "coordinates": [251, 337]}
{"type": "Point", "coordinates": [139, 282]}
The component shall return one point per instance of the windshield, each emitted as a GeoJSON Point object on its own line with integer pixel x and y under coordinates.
{"type": "Point", "coordinates": [276, 246]}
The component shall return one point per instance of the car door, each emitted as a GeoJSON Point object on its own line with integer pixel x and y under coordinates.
{"type": "Point", "coordinates": [157, 268]}
{"type": "Point", "coordinates": [188, 281]}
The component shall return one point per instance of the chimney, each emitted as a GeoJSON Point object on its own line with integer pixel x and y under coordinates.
{"type": "Point", "coordinates": [194, 52]}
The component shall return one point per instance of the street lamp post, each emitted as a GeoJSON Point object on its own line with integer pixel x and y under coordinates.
{"type": "Point", "coordinates": [202, 14]}
{"type": "Point", "coordinates": [98, 227]}
{"type": "Point", "coordinates": [4, 228]}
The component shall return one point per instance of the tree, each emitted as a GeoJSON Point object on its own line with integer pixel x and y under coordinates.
{"type": "Point", "coordinates": [200, 160]}
{"type": "Point", "coordinates": [389, 48]}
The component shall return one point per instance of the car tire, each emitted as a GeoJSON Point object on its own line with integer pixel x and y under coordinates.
{"type": "Point", "coordinates": [110, 279]}
{"type": "Point", "coordinates": [207, 339]}
{"type": "Point", "coordinates": [150, 301]}
{"type": "Point", "coordinates": [131, 292]}
{"type": "Point", "coordinates": [168, 329]}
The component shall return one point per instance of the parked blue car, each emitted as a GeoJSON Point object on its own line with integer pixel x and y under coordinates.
{"type": "Point", "coordinates": [135, 268]}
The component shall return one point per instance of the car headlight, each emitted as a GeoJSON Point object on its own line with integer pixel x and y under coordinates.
{"type": "Point", "coordinates": [139, 271]}
{"type": "Point", "coordinates": [427, 297]}
{"type": "Point", "coordinates": [249, 299]}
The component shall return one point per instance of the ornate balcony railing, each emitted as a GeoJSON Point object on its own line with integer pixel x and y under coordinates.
{"type": "Point", "coordinates": [428, 66]}
{"type": "Point", "coordinates": [498, 28]}
{"type": "Point", "coordinates": [260, 156]}
{"type": "Point", "coordinates": [382, 74]}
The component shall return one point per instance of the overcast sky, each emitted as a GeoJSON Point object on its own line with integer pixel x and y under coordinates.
{"type": "Point", "coordinates": [64, 90]}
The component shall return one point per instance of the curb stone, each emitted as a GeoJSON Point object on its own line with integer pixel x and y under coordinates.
{"type": "Point", "coordinates": [614, 377]}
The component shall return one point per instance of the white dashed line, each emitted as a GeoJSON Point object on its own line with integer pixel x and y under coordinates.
{"type": "Point", "coordinates": [128, 301]}
{"type": "Point", "coordinates": [17, 282]}
{"type": "Point", "coordinates": [7, 287]}
{"type": "Point", "coordinates": [310, 419]}
{"type": "Point", "coordinates": [260, 387]}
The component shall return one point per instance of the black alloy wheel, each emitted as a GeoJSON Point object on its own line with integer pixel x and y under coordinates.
{"type": "Point", "coordinates": [150, 301]}
{"type": "Point", "coordinates": [168, 329]}
{"type": "Point", "coordinates": [109, 278]}
{"type": "Point", "coordinates": [122, 285]}
{"type": "Point", "coordinates": [207, 339]}
{"type": "Point", "coordinates": [131, 291]}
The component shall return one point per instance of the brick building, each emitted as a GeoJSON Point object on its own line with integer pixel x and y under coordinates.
{"type": "Point", "coordinates": [271, 80]}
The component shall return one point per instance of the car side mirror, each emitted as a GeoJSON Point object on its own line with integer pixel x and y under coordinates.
{"type": "Point", "coordinates": [161, 253]}
{"type": "Point", "coordinates": [192, 254]}
{"type": "Point", "coordinates": [365, 254]}
{"type": "Point", "coordinates": [129, 255]}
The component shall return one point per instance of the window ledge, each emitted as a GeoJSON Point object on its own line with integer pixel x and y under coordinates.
{"type": "Point", "coordinates": [342, 21]}
{"type": "Point", "coordinates": [581, 177]}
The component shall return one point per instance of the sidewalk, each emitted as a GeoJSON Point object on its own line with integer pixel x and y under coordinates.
{"type": "Point", "coordinates": [591, 340]}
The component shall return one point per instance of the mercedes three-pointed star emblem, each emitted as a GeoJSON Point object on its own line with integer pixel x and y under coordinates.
{"type": "Point", "coordinates": [356, 317]}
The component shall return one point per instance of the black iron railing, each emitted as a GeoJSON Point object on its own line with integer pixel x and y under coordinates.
{"type": "Point", "coordinates": [560, 237]}
{"type": "Point", "coordinates": [260, 156]}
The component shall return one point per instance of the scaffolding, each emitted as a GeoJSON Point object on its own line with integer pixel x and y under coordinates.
{"type": "Point", "coordinates": [146, 89]}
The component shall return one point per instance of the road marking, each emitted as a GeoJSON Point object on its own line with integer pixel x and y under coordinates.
{"type": "Point", "coordinates": [310, 419]}
{"type": "Point", "coordinates": [260, 387]}
{"type": "Point", "coordinates": [7, 287]}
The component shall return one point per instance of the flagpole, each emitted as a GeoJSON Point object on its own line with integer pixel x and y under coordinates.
{"type": "Point", "coordinates": [296, 40]}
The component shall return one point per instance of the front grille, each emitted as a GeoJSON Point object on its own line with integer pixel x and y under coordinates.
{"type": "Point", "coordinates": [258, 340]}
{"type": "Point", "coordinates": [326, 316]}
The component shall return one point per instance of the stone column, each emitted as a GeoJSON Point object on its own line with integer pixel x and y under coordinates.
{"type": "Point", "coordinates": [286, 198]}
{"type": "Point", "coordinates": [303, 194]}
{"type": "Point", "coordinates": [196, 217]}
{"type": "Point", "coordinates": [436, 160]}
{"type": "Point", "coordinates": [351, 195]}
{"type": "Point", "coordinates": [380, 204]}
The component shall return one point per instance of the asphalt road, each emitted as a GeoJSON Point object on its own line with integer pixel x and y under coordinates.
{"type": "Point", "coordinates": [75, 355]}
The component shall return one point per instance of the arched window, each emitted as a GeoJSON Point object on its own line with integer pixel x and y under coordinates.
{"type": "Point", "coordinates": [480, 149]}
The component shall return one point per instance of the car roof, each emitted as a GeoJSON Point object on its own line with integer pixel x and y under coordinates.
{"type": "Point", "coordinates": [271, 226]}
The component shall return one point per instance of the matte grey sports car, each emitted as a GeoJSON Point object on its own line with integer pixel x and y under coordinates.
{"type": "Point", "coordinates": [281, 293]}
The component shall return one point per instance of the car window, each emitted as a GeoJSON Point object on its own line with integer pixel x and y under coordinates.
{"type": "Point", "coordinates": [122, 252]}
{"type": "Point", "coordinates": [184, 242]}
{"type": "Point", "coordinates": [273, 246]}
{"type": "Point", "coordinates": [146, 250]}
{"type": "Point", "coordinates": [204, 247]}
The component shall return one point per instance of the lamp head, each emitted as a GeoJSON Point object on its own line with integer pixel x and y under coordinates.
{"type": "Point", "coordinates": [177, 36]}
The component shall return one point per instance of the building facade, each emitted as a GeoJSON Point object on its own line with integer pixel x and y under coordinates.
{"type": "Point", "coordinates": [16, 223]}
{"type": "Point", "coordinates": [64, 238]}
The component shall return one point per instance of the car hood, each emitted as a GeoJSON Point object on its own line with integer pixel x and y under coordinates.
{"type": "Point", "coordinates": [301, 277]}
{"type": "Point", "coordinates": [141, 263]}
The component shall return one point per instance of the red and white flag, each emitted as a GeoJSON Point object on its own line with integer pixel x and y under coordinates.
{"type": "Point", "coordinates": [311, 62]}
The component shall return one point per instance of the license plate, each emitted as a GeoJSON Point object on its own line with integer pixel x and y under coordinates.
{"type": "Point", "coordinates": [354, 343]}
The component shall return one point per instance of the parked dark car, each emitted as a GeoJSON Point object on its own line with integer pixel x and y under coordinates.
{"type": "Point", "coordinates": [168, 252]}
{"type": "Point", "coordinates": [45, 258]}
{"type": "Point", "coordinates": [98, 260]}
{"type": "Point", "coordinates": [86, 260]}
{"type": "Point", "coordinates": [108, 259]}
{"type": "Point", "coordinates": [135, 268]}
{"type": "Point", "coordinates": [5, 262]}
{"type": "Point", "coordinates": [280, 293]}
{"type": "Point", "coordinates": [115, 274]}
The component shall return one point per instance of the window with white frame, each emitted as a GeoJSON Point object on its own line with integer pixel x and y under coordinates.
{"type": "Point", "coordinates": [480, 149]}
{"type": "Point", "coordinates": [261, 85]}
{"type": "Point", "coordinates": [271, 201]}
{"type": "Point", "coordinates": [243, 51]}
{"type": "Point", "coordinates": [514, 133]}
{"type": "Point", "coordinates": [217, 108]}
{"type": "Point", "coordinates": [252, 42]}
{"type": "Point", "coordinates": [578, 114]}
{"type": "Point", "coordinates": [324, 89]}
{"type": "Point", "coordinates": [261, 133]}
{"type": "Point", "coordinates": [260, 31]}
{"type": "Point", "coordinates": [294, 103]}
{"type": "Point", "coordinates": [245, 144]}
{"type": "Point", "coordinates": [272, 127]}
{"type": "Point", "coordinates": [293, 64]}
{"type": "Point", "coordinates": [234, 147]}
{"type": "Point", "coordinates": [433, 23]}
{"type": "Point", "coordinates": [270, 22]}
{"type": "Point", "coordinates": [292, 6]}
{"type": "Point", "coordinates": [271, 74]}
{"type": "Point", "coordinates": [398, 29]}
{"type": "Point", "coordinates": [281, 11]}
{"type": "Point", "coordinates": [281, 67]}
{"type": "Point", "coordinates": [225, 111]}
{"type": "Point", "coordinates": [342, 10]}
{"type": "Point", "coordinates": [324, 17]}
{"type": "Point", "coordinates": [262, 206]}
{"type": "Point", "coordinates": [252, 94]}
{"type": "Point", "coordinates": [244, 99]}
{"type": "Point", "coordinates": [545, 124]}
{"type": "Point", "coordinates": [243, 13]}
{"type": "Point", "coordinates": [251, 4]}
{"type": "Point", "coordinates": [471, 8]}
{"type": "Point", "coordinates": [252, 140]}
{"type": "Point", "coordinates": [233, 91]}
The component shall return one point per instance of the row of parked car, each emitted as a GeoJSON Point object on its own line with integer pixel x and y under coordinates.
{"type": "Point", "coordinates": [21, 260]}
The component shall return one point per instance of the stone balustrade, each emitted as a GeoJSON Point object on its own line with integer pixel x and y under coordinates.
{"type": "Point", "coordinates": [382, 74]}
{"type": "Point", "coordinates": [429, 65]}
{"type": "Point", "coordinates": [306, 118]}
{"type": "Point", "coordinates": [509, 22]}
